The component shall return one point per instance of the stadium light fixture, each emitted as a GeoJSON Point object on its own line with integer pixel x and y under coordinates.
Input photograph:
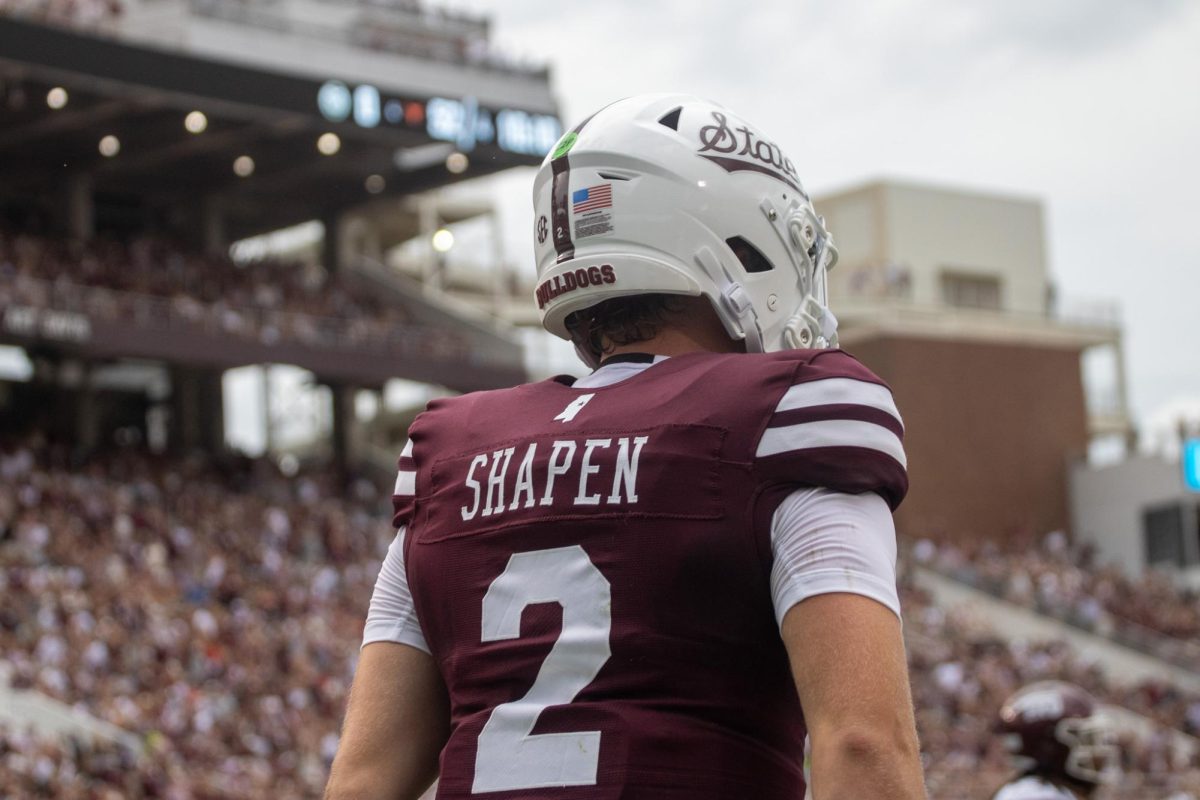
{"type": "Point", "coordinates": [110, 146]}
{"type": "Point", "coordinates": [442, 240]}
{"type": "Point", "coordinates": [57, 98]}
{"type": "Point", "coordinates": [243, 166]}
{"type": "Point", "coordinates": [195, 122]}
{"type": "Point", "coordinates": [457, 163]}
{"type": "Point", "coordinates": [375, 184]}
{"type": "Point", "coordinates": [329, 143]}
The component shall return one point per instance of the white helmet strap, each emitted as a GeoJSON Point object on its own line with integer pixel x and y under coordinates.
{"type": "Point", "coordinates": [736, 309]}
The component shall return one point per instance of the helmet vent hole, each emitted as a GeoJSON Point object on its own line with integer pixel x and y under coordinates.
{"type": "Point", "coordinates": [752, 260]}
{"type": "Point", "coordinates": [671, 119]}
{"type": "Point", "coordinates": [612, 176]}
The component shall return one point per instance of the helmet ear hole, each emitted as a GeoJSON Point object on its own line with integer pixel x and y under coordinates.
{"type": "Point", "coordinates": [750, 256]}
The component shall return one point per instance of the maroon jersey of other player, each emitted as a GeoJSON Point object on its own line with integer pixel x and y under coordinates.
{"type": "Point", "coordinates": [590, 568]}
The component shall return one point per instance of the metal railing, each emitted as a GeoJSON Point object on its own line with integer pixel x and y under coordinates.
{"type": "Point", "coordinates": [406, 29]}
{"type": "Point", "coordinates": [1104, 315]}
{"type": "Point", "coordinates": [152, 313]}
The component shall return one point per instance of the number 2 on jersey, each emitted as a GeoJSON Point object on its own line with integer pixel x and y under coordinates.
{"type": "Point", "coordinates": [510, 756]}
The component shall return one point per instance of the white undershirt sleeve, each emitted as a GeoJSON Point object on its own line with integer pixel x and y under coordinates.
{"type": "Point", "coordinates": [824, 541]}
{"type": "Point", "coordinates": [392, 616]}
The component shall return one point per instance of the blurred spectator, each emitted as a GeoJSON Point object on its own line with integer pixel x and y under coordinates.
{"type": "Point", "coordinates": [1149, 613]}
{"type": "Point", "coordinates": [152, 283]}
{"type": "Point", "coordinates": [962, 672]}
{"type": "Point", "coordinates": [213, 608]}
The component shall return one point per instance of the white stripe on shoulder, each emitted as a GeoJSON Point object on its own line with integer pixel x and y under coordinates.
{"type": "Point", "coordinates": [406, 483]}
{"type": "Point", "coordinates": [831, 433]}
{"type": "Point", "coordinates": [407, 451]}
{"type": "Point", "coordinates": [829, 391]}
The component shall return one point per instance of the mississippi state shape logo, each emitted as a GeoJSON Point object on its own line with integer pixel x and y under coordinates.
{"type": "Point", "coordinates": [740, 149]}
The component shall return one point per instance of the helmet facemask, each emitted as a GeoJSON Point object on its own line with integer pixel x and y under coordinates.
{"type": "Point", "coordinates": [1094, 756]}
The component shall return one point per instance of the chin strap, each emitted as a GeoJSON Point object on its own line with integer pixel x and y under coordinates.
{"type": "Point", "coordinates": [736, 312]}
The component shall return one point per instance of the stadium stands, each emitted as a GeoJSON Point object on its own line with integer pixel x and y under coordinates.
{"type": "Point", "coordinates": [962, 670]}
{"type": "Point", "coordinates": [1150, 614]}
{"type": "Point", "coordinates": [151, 298]}
{"type": "Point", "coordinates": [33, 766]}
{"type": "Point", "coordinates": [266, 301]}
{"type": "Point", "coordinates": [213, 607]}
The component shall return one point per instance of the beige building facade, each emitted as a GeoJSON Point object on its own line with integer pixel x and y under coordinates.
{"type": "Point", "coordinates": [946, 294]}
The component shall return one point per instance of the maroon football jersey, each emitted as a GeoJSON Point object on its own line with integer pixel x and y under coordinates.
{"type": "Point", "coordinates": [590, 568]}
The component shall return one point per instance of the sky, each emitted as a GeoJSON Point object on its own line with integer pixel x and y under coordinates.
{"type": "Point", "coordinates": [1093, 106]}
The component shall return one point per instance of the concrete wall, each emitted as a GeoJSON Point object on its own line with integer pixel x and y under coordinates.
{"type": "Point", "coordinates": [929, 231]}
{"type": "Point", "coordinates": [990, 429]}
{"type": "Point", "coordinates": [167, 23]}
{"type": "Point", "coordinates": [1107, 505]}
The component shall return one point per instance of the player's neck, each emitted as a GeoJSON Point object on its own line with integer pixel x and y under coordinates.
{"type": "Point", "coordinates": [678, 340]}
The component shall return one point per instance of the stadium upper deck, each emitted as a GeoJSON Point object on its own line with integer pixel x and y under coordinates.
{"type": "Point", "coordinates": [211, 122]}
{"type": "Point", "coordinates": [254, 162]}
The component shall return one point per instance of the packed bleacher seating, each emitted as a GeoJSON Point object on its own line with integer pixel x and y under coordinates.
{"type": "Point", "coordinates": [74, 768]}
{"type": "Point", "coordinates": [1149, 613]}
{"type": "Point", "coordinates": [153, 282]}
{"type": "Point", "coordinates": [962, 671]}
{"type": "Point", "coordinates": [213, 607]}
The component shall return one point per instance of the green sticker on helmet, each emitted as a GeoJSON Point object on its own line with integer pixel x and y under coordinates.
{"type": "Point", "coordinates": [565, 144]}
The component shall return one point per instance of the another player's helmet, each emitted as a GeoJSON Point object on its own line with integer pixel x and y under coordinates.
{"type": "Point", "coordinates": [1057, 726]}
{"type": "Point", "coordinates": [676, 195]}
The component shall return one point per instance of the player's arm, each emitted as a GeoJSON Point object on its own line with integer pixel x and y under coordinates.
{"type": "Point", "coordinates": [834, 584]}
{"type": "Point", "coordinates": [848, 661]}
{"type": "Point", "coordinates": [396, 724]}
{"type": "Point", "coordinates": [398, 716]}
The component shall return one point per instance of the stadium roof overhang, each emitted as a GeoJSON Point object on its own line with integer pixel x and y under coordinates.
{"type": "Point", "coordinates": [142, 95]}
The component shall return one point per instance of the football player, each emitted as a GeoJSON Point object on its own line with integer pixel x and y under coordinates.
{"type": "Point", "coordinates": [653, 581]}
{"type": "Point", "coordinates": [1063, 745]}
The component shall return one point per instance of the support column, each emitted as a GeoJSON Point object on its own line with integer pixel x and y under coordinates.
{"type": "Point", "coordinates": [1123, 396]}
{"type": "Point", "coordinates": [342, 409]}
{"type": "Point", "coordinates": [81, 209]}
{"type": "Point", "coordinates": [499, 268]}
{"type": "Point", "coordinates": [267, 419]}
{"type": "Point", "coordinates": [197, 410]}
{"type": "Point", "coordinates": [212, 226]}
{"type": "Point", "coordinates": [428, 221]}
{"type": "Point", "coordinates": [331, 244]}
{"type": "Point", "coordinates": [87, 418]}
{"type": "Point", "coordinates": [211, 401]}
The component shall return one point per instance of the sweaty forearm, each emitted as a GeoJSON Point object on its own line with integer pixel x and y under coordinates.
{"type": "Point", "coordinates": [852, 765]}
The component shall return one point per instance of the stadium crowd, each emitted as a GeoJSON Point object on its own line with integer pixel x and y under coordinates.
{"type": "Point", "coordinates": [154, 283]}
{"type": "Point", "coordinates": [214, 607]}
{"type": "Point", "coordinates": [962, 671]}
{"type": "Point", "coordinates": [1149, 613]}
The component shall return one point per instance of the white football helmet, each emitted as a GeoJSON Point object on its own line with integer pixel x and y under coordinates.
{"type": "Point", "coordinates": [676, 195]}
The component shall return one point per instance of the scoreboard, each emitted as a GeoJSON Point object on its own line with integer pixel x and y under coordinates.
{"type": "Point", "coordinates": [462, 121]}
